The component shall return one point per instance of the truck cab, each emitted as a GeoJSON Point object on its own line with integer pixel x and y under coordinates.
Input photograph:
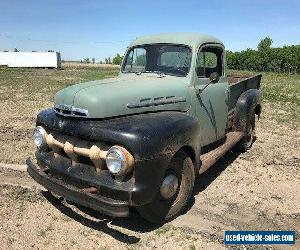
{"type": "Point", "coordinates": [141, 139]}
{"type": "Point", "coordinates": [192, 64]}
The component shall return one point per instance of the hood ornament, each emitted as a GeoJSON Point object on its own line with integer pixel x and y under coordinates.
{"type": "Point", "coordinates": [71, 111]}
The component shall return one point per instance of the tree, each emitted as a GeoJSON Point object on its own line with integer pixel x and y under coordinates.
{"type": "Point", "coordinates": [265, 44]}
{"type": "Point", "coordinates": [117, 59]}
{"type": "Point", "coordinates": [266, 58]}
{"type": "Point", "coordinates": [140, 60]}
{"type": "Point", "coordinates": [86, 60]}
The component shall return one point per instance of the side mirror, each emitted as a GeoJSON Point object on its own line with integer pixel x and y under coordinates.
{"type": "Point", "coordinates": [214, 77]}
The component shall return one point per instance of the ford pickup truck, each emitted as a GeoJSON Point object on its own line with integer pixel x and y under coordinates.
{"type": "Point", "coordinates": [140, 140]}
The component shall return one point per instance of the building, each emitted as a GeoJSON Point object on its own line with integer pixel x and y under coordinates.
{"type": "Point", "coordinates": [31, 59]}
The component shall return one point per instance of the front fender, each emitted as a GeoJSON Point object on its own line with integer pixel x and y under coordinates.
{"type": "Point", "coordinates": [146, 136]}
{"type": "Point", "coordinates": [152, 138]}
{"type": "Point", "coordinates": [248, 104]}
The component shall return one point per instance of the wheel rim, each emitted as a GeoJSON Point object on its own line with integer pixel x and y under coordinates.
{"type": "Point", "coordinates": [169, 186]}
{"type": "Point", "coordinates": [160, 209]}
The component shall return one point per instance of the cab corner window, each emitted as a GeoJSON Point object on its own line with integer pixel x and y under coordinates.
{"type": "Point", "coordinates": [209, 60]}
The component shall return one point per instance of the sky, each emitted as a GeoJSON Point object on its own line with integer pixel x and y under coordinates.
{"type": "Point", "coordinates": [100, 29]}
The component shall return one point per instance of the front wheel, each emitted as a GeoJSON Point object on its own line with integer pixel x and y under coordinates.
{"type": "Point", "coordinates": [175, 191]}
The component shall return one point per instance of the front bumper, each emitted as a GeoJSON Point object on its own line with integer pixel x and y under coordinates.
{"type": "Point", "coordinates": [105, 205]}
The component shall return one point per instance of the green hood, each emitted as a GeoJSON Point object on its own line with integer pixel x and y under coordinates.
{"type": "Point", "coordinates": [127, 95]}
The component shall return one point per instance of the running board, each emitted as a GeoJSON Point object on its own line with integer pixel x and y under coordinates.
{"type": "Point", "coordinates": [210, 158]}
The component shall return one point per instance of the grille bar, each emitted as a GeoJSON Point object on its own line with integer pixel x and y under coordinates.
{"type": "Point", "coordinates": [96, 155]}
{"type": "Point", "coordinates": [69, 110]}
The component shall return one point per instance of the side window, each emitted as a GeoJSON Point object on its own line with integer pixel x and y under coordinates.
{"type": "Point", "coordinates": [128, 63]}
{"type": "Point", "coordinates": [136, 60]}
{"type": "Point", "coordinates": [209, 60]}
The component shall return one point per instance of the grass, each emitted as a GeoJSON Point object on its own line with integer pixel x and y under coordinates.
{"type": "Point", "coordinates": [163, 230]}
{"type": "Point", "coordinates": [45, 231]}
{"type": "Point", "coordinates": [48, 81]}
{"type": "Point", "coordinates": [192, 247]}
{"type": "Point", "coordinates": [278, 87]}
{"type": "Point", "coordinates": [282, 93]}
{"type": "Point", "coordinates": [25, 91]}
{"type": "Point", "coordinates": [281, 88]}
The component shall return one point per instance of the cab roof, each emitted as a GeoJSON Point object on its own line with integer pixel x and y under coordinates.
{"type": "Point", "coordinates": [190, 39]}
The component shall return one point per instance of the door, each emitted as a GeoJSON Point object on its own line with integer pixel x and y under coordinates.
{"type": "Point", "coordinates": [212, 102]}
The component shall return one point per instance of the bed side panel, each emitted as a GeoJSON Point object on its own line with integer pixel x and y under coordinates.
{"type": "Point", "coordinates": [240, 87]}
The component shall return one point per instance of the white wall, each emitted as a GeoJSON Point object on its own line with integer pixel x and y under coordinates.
{"type": "Point", "coordinates": [30, 59]}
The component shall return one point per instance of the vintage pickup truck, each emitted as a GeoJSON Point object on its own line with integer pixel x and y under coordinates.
{"type": "Point", "coordinates": [140, 140]}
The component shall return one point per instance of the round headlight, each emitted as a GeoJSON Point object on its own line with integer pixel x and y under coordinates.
{"type": "Point", "coordinates": [115, 160]}
{"type": "Point", "coordinates": [39, 136]}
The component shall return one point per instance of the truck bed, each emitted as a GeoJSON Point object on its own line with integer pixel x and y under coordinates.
{"type": "Point", "coordinates": [239, 84]}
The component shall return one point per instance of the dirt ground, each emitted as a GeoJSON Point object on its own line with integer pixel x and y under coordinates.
{"type": "Point", "coordinates": [257, 190]}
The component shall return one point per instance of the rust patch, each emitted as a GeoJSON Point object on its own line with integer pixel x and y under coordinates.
{"type": "Point", "coordinates": [90, 190]}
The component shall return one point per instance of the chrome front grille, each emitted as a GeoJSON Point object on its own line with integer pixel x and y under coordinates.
{"type": "Point", "coordinates": [69, 110]}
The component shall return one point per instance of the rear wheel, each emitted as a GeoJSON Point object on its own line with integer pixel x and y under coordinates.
{"type": "Point", "coordinates": [246, 142]}
{"type": "Point", "coordinates": [174, 193]}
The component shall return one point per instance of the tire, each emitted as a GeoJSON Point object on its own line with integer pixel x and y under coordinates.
{"type": "Point", "coordinates": [247, 141]}
{"type": "Point", "coordinates": [162, 210]}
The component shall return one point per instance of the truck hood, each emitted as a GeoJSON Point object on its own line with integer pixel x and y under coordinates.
{"type": "Point", "coordinates": [125, 95]}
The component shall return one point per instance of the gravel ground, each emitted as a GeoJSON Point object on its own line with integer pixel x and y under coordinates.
{"type": "Point", "coordinates": [257, 190]}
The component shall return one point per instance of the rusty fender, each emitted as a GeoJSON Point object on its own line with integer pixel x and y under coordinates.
{"type": "Point", "coordinates": [152, 139]}
{"type": "Point", "coordinates": [249, 103]}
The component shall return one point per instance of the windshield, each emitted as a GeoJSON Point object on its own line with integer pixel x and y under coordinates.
{"type": "Point", "coordinates": [158, 58]}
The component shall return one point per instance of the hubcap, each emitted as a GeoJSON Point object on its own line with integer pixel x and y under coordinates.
{"type": "Point", "coordinates": [169, 186]}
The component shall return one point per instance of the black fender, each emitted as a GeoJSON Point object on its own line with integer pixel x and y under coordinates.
{"type": "Point", "coordinates": [146, 136]}
{"type": "Point", "coordinates": [249, 103]}
{"type": "Point", "coordinates": [152, 138]}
